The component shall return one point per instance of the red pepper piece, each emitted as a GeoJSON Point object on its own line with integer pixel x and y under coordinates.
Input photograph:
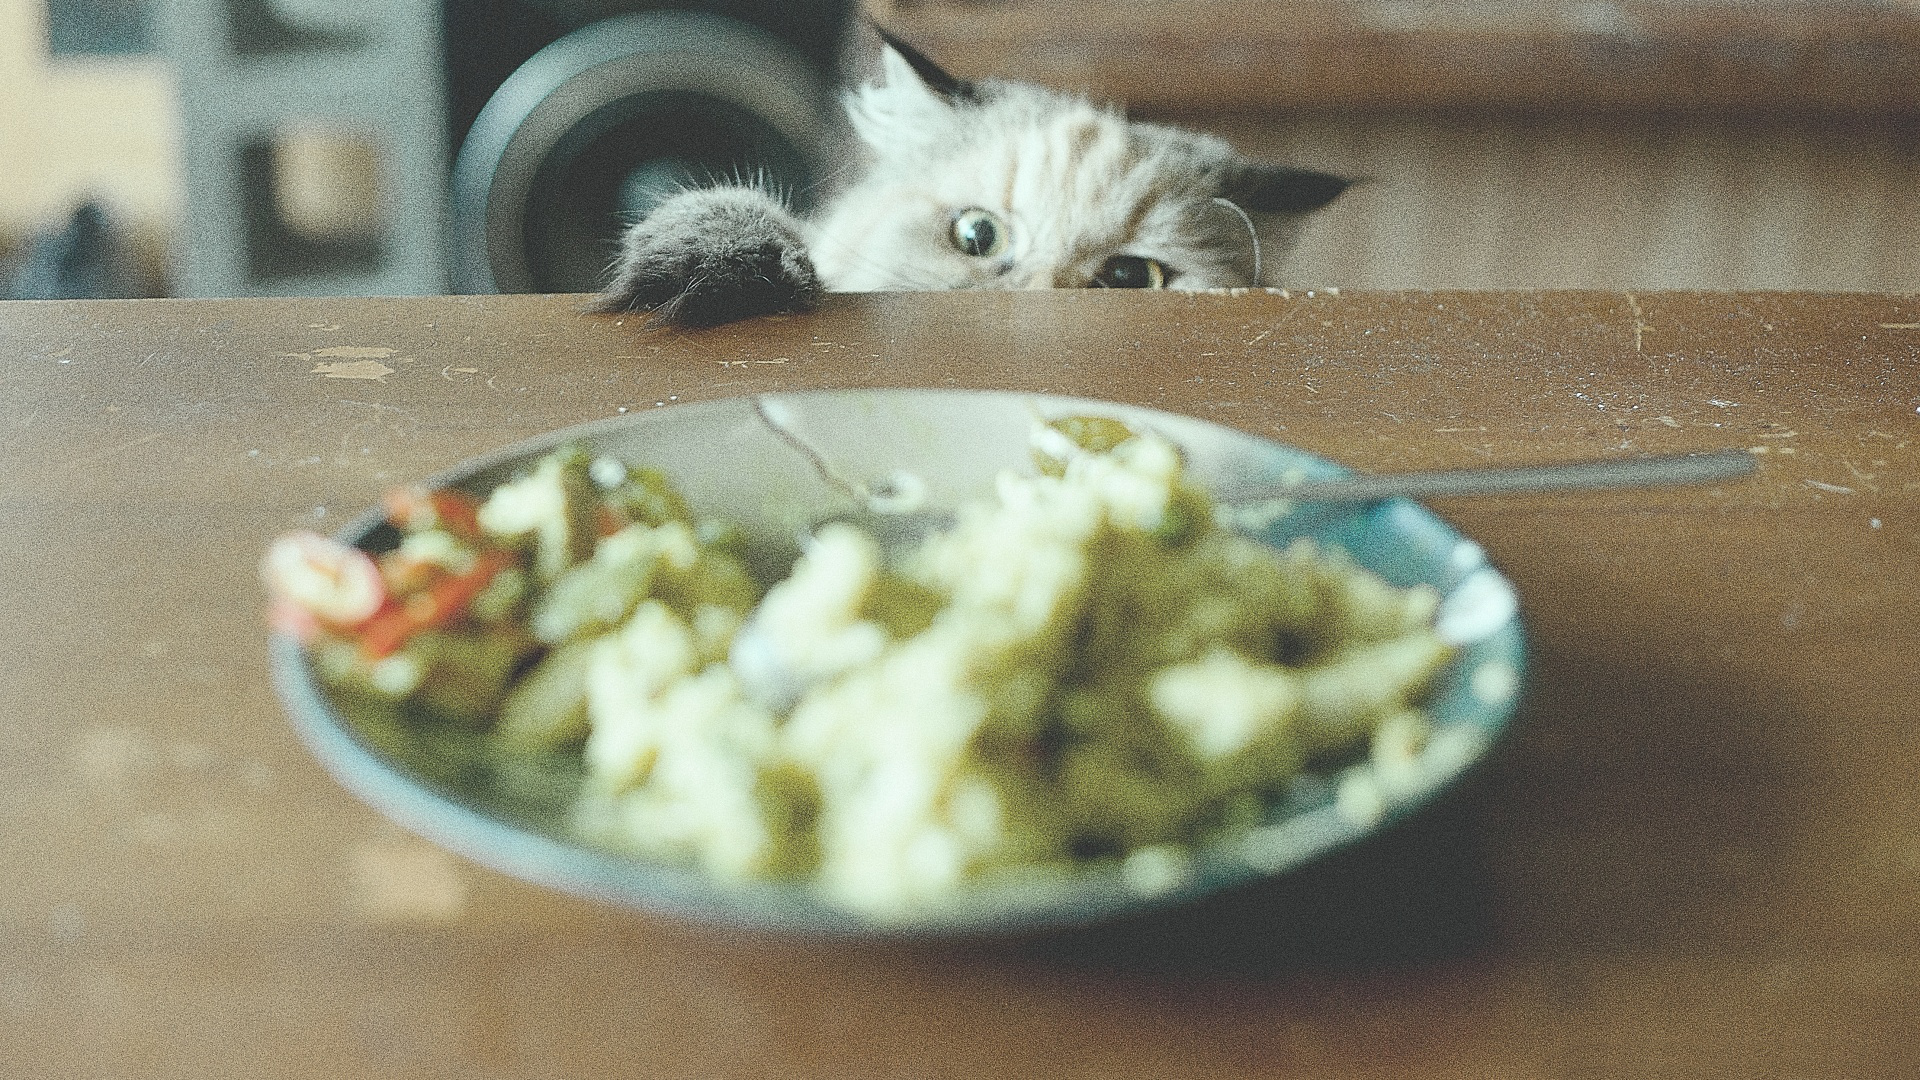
{"type": "Point", "coordinates": [441, 603]}
{"type": "Point", "coordinates": [415, 510]}
{"type": "Point", "coordinates": [458, 511]}
{"type": "Point", "coordinates": [610, 522]}
{"type": "Point", "coordinates": [382, 635]}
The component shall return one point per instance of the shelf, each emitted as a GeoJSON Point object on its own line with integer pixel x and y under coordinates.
{"type": "Point", "coordinates": [1838, 56]}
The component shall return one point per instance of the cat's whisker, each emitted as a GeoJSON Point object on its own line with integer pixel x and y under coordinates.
{"type": "Point", "coordinates": [831, 176]}
{"type": "Point", "coordinates": [1252, 233]}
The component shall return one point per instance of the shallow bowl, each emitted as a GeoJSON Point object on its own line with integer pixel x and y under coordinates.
{"type": "Point", "coordinates": [778, 463]}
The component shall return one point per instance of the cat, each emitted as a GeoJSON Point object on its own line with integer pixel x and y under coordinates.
{"type": "Point", "coordinates": [964, 185]}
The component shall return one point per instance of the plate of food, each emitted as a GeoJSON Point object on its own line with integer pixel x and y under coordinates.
{"type": "Point", "coordinates": [902, 662]}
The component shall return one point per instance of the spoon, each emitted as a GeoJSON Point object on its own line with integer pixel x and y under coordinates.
{"type": "Point", "coordinates": [1662, 471]}
{"type": "Point", "coordinates": [900, 530]}
{"type": "Point", "coordinates": [769, 680]}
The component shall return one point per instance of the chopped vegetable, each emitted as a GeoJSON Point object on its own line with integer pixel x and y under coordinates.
{"type": "Point", "coordinates": [554, 508]}
{"type": "Point", "coordinates": [433, 606]}
{"type": "Point", "coordinates": [334, 585]}
{"type": "Point", "coordinates": [1086, 669]}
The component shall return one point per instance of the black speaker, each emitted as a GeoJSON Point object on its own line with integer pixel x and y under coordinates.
{"type": "Point", "coordinates": [575, 117]}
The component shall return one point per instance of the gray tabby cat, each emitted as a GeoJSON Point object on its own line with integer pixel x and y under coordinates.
{"type": "Point", "coordinates": [994, 185]}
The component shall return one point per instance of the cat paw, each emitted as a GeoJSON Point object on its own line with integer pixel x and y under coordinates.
{"type": "Point", "coordinates": [712, 256]}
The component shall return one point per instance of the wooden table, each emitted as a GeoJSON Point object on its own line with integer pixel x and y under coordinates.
{"type": "Point", "coordinates": [1699, 856]}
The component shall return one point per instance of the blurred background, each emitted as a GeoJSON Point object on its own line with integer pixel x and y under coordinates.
{"type": "Point", "coordinates": [276, 147]}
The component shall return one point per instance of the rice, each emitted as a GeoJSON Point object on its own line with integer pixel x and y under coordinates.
{"type": "Point", "coordinates": [1082, 670]}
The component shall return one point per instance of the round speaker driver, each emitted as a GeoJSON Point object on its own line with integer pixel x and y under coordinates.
{"type": "Point", "coordinates": [601, 124]}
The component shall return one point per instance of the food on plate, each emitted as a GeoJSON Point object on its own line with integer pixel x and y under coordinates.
{"type": "Point", "coordinates": [1083, 670]}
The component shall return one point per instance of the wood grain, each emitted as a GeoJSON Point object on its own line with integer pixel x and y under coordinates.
{"type": "Point", "coordinates": [1504, 201]}
{"type": "Point", "coordinates": [1853, 57]}
{"type": "Point", "coordinates": [1696, 857]}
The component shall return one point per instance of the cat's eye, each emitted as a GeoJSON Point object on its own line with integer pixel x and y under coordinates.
{"type": "Point", "coordinates": [1131, 272]}
{"type": "Point", "coordinates": [979, 232]}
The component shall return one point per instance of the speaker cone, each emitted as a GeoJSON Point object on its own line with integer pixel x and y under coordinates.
{"type": "Point", "coordinates": [596, 128]}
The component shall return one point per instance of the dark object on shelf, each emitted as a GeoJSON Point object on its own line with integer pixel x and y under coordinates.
{"type": "Point", "coordinates": [596, 127]}
{"type": "Point", "coordinates": [86, 259]}
{"type": "Point", "coordinates": [627, 106]}
{"type": "Point", "coordinates": [99, 27]}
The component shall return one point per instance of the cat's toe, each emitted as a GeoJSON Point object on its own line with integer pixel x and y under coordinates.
{"type": "Point", "coordinates": [713, 257]}
{"type": "Point", "coordinates": [743, 283]}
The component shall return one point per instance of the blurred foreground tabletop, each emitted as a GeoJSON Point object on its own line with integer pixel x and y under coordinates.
{"type": "Point", "coordinates": [1697, 856]}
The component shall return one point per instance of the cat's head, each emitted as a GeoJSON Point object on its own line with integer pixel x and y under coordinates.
{"type": "Point", "coordinates": [999, 185]}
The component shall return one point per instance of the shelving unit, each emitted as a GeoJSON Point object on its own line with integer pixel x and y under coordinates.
{"type": "Point", "coordinates": [257, 74]}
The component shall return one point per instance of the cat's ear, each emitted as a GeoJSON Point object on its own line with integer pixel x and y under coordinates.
{"type": "Point", "coordinates": [922, 70]}
{"type": "Point", "coordinates": [912, 105]}
{"type": "Point", "coordinates": [1278, 189]}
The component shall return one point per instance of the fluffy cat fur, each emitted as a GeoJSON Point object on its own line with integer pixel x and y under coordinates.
{"type": "Point", "coordinates": [994, 185]}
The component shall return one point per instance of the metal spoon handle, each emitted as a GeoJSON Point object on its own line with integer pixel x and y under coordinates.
{"type": "Point", "coordinates": [1587, 475]}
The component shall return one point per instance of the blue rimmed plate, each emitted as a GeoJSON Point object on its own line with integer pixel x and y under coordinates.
{"type": "Point", "coordinates": [777, 463]}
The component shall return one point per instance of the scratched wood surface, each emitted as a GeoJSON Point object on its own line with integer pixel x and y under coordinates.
{"type": "Point", "coordinates": [1697, 857]}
